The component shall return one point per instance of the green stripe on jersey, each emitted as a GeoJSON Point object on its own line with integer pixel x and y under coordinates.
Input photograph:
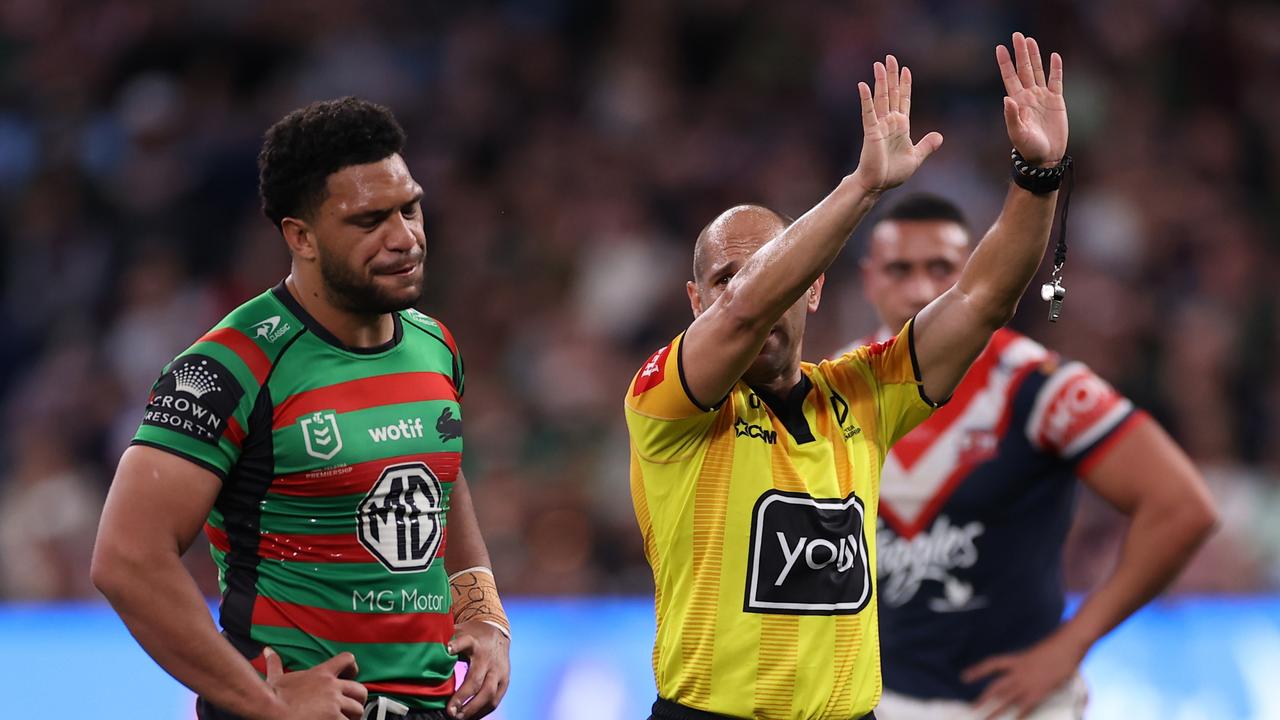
{"type": "Point", "coordinates": [410, 592]}
{"type": "Point", "coordinates": [312, 363]}
{"type": "Point", "coordinates": [294, 515]}
{"type": "Point", "coordinates": [370, 434]}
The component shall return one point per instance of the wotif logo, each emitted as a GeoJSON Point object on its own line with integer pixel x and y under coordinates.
{"type": "Point", "coordinates": [403, 430]}
{"type": "Point", "coordinates": [271, 329]}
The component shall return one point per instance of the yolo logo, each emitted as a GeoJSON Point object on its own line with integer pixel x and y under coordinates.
{"type": "Point", "coordinates": [400, 521]}
{"type": "Point", "coordinates": [807, 556]}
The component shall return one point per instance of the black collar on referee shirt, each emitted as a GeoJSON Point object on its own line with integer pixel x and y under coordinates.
{"type": "Point", "coordinates": [283, 295]}
{"type": "Point", "coordinates": [790, 409]}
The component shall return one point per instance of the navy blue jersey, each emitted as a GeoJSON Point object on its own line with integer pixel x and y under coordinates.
{"type": "Point", "coordinates": [975, 506]}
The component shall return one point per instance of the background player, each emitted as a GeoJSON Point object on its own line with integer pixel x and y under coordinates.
{"type": "Point", "coordinates": [977, 501]}
{"type": "Point", "coordinates": [315, 433]}
{"type": "Point", "coordinates": [755, 477]}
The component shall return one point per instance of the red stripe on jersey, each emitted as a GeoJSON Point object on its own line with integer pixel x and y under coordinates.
{"type": "Point", "coordinates": [1086, 464]}
{"type": "Point", "coordinates": [358, 478]}
{"type": "Point", "coordinates": [307, 548]}
{"type": "Point", "coordinates": [443, 689]}
{"type": "Point", "coordinates": [931, 509]}
{"type": "Point", "coordinates": [911, 448]}
{"type": "Point", "coordinates": [343, 548]}
{"type": "Point", "coordinates": [366, 393]}
{"type": "Point", "coordinates": [352, 627]}
{"type": "Point", "coordinates": [244, 348]}
{"type": "Point", "coordinates": [235, 433]}
{"type": "Point", "coordinates": [217, 538]}
{"type": "Point", "coordinates": [448, 338]}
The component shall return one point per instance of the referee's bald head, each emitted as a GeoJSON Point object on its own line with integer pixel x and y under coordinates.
{"type": "Point", "coordinates": [740, 230]}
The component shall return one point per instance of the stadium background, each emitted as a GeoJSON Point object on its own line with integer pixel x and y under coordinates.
{"type": "Point", "coordinates": [570, 150]}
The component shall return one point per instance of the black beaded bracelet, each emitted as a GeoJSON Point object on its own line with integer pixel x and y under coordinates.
{"type": "Point", "coordinates": [1039, 180]}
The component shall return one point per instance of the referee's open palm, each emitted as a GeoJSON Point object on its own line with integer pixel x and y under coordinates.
{"type": "Point", "coordinates": [888, 155]}
{"type": "Point", "coordinates": [1034, 110]}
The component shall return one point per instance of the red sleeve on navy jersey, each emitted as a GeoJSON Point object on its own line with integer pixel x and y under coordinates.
{"type": "Point", "coordinates": [1074, 412]}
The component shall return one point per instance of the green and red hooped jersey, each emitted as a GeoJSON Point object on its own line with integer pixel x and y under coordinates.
{"type": "Point", "coordinates": [336, 466]}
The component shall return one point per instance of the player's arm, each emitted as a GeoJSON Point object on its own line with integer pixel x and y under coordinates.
{"type": "Point", "coordinates": [725, 338]}
{"type": "Point", "coordinates": [1145, 475]}
{"type": "Point", "coordinates": [154, 510]}
{"type": "Point", "coordinates": [482, 634]}
{"type": "Point", "coordinates": [952, 330]}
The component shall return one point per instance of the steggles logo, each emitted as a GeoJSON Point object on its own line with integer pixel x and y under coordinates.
{"type": "Point", "coordinates": [196, 380]}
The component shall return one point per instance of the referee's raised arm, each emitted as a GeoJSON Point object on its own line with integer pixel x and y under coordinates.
{"type": "Point", "coordinates": [953, 329]}
{"type": "Point", "coordinates": [740, 294]}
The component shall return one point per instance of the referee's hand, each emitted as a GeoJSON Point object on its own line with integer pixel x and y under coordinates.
{"type": "Point", "coordinates": [323, 692]}
{"type": "Point", "coordinates": [485, 650]}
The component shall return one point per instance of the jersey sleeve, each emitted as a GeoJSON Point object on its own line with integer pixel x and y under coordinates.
{"type": "Point", "coordinates": [199, 407]}
{"type": "Point", "coordinates": [1075, 413]}
{"type": "Point", "coordinates": [891, 371]}
{"type": "Point", "coordinates": [459, 373]}
{"type": "Point", "coordinates": [664, 421]}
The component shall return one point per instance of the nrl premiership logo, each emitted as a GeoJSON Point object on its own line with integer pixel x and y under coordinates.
{"type": "Point", "coordinates": [320, 434]}
{"type": "Point", "coordinates": [271, 329]}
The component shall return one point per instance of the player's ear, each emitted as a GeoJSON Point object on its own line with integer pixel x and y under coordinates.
{"type": "Point", "coordinates": [299, 237]}
{"type": "Point", "coordinates": [815, 293]}
{"type": "Point", "coordinates": [695, 298]}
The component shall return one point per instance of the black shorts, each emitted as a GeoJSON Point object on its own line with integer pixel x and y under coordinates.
{"type": "Point", "coordinates": [206, 711]}
{"type": "Point", "coordinates": [667, 710]}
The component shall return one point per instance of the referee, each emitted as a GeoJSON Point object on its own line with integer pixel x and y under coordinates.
{"type": "Point", "coordinates": [755, 477]}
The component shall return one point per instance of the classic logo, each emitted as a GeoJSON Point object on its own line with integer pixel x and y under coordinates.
{"type": "Point", "coordinates": [905, 564]}
{"type": "Point", "coordinates": [195, 397]}
{"type": "Point", "coordinates": [320, 434]}
{"type": "Point", "coordinates": [807, 556]}
{"type": "Point", "coordinates": [742, 429]}
{"type": "Point", "coordinates": [270, 329]}
{"type": "Point", "coordinates": [400, 521]}
{"type": "Point", "coordinates": [422, 317]}
{"type": "Point", "coordinates": [448, 426]}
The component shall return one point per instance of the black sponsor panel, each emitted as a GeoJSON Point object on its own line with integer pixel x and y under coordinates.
{"type": "Point", "coordinates": [807, 556]}
{"type": "Point", "coordinates": [400, 520]}
{"type": "Point", "coordinates": [195, 397]}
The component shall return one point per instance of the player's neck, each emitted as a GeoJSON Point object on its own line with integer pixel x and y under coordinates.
{"type": "Point", "coordinates": [352, 329]}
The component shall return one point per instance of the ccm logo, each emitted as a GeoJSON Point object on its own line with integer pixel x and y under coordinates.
{"type": "Point", "coordinates": [808, 556]}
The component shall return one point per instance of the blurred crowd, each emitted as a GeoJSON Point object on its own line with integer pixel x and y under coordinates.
{"type": "Point", "coordinates": [570, 151]}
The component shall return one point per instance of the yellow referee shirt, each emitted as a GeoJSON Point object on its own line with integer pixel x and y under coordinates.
{"type": "Point", "coordinates": [759, 523]}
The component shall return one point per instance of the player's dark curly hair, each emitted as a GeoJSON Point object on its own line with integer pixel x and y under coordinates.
{"type": "Point", "coordinates": [924, 206]}
{"type": "Point", "coordinates": [305, 147]}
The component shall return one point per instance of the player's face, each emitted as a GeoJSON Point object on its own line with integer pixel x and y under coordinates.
{"type": "Point", "coordinates": [724, 258]}
{"type": "Point", "coordinates": [370, 243]}
{"type": "Point", "coordinates": [909, 263]}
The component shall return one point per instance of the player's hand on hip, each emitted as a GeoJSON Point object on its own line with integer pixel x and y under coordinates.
{"type": "Point", "coordinates": [1022, 680]}
{"type": "Point", "coordinates": [1034, 110]}
{"type": "Point", "coordinates": [485, 649]}
{"type": "Point", "coordinates": [324, 692]}
{"type": "Point", "coordinates": [888, 156]}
